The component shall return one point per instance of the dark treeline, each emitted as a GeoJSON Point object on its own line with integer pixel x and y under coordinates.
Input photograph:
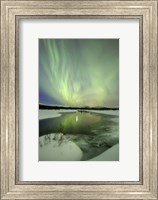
{"type": "Point", "coordinates": [46, 107]}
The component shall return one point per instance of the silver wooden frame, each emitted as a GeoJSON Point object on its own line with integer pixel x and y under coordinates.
{"type": "Point", "coordinates": [11, 12]}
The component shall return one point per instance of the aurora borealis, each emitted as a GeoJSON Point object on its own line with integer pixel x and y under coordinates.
{"type": "Point", "coordinates": [79, 72]}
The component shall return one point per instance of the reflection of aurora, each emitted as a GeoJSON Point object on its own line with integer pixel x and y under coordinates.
{"type": "Point", "coordinates": [74, 120]}
{"type": "Point", "coordinates": [71, 122]}
{"type": "Point", "coordinates": [79, 72]}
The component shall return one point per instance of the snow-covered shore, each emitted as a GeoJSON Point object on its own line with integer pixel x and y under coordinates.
{"type": "Point", "coordinates": [54, 151]}
{"type": "Point", "coordinates": [56, 147]}
{"type": "Point", "coordinates": [44, 114]}
{"type": "Point", "coordinates": [111, 154]}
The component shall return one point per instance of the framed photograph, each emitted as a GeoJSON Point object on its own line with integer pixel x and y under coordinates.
{"type": "Point", "coordinates": [78, 99]}
{"type": "Point", "coordinates": [78, 80]}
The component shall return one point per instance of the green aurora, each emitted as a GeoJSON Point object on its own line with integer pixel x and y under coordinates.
{"type": "Point", "coordinates": [79, 72]}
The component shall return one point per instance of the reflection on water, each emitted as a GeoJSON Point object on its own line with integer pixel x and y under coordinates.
{"type": "Point", "coordinates": [86, 133]}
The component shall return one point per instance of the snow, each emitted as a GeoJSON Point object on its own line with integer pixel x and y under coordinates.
{"type": "Point", "coordinates": [44, 114]}
{"type": "Point", "coordinates": [111, 154]}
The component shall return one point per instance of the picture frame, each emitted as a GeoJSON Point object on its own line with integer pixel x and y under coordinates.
{"type": "Point", "coordinates": [11, 187]}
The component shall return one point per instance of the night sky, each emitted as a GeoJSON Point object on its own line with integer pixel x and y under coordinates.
{"type": "Point", "coordinates": [79, 72]}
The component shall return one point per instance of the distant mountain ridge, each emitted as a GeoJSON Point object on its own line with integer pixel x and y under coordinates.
{"type": "Point", "coordinates": [48, 107]}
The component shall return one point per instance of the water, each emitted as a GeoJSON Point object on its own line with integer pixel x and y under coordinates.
{"type": "Point", "coordinates": [77, 135]}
